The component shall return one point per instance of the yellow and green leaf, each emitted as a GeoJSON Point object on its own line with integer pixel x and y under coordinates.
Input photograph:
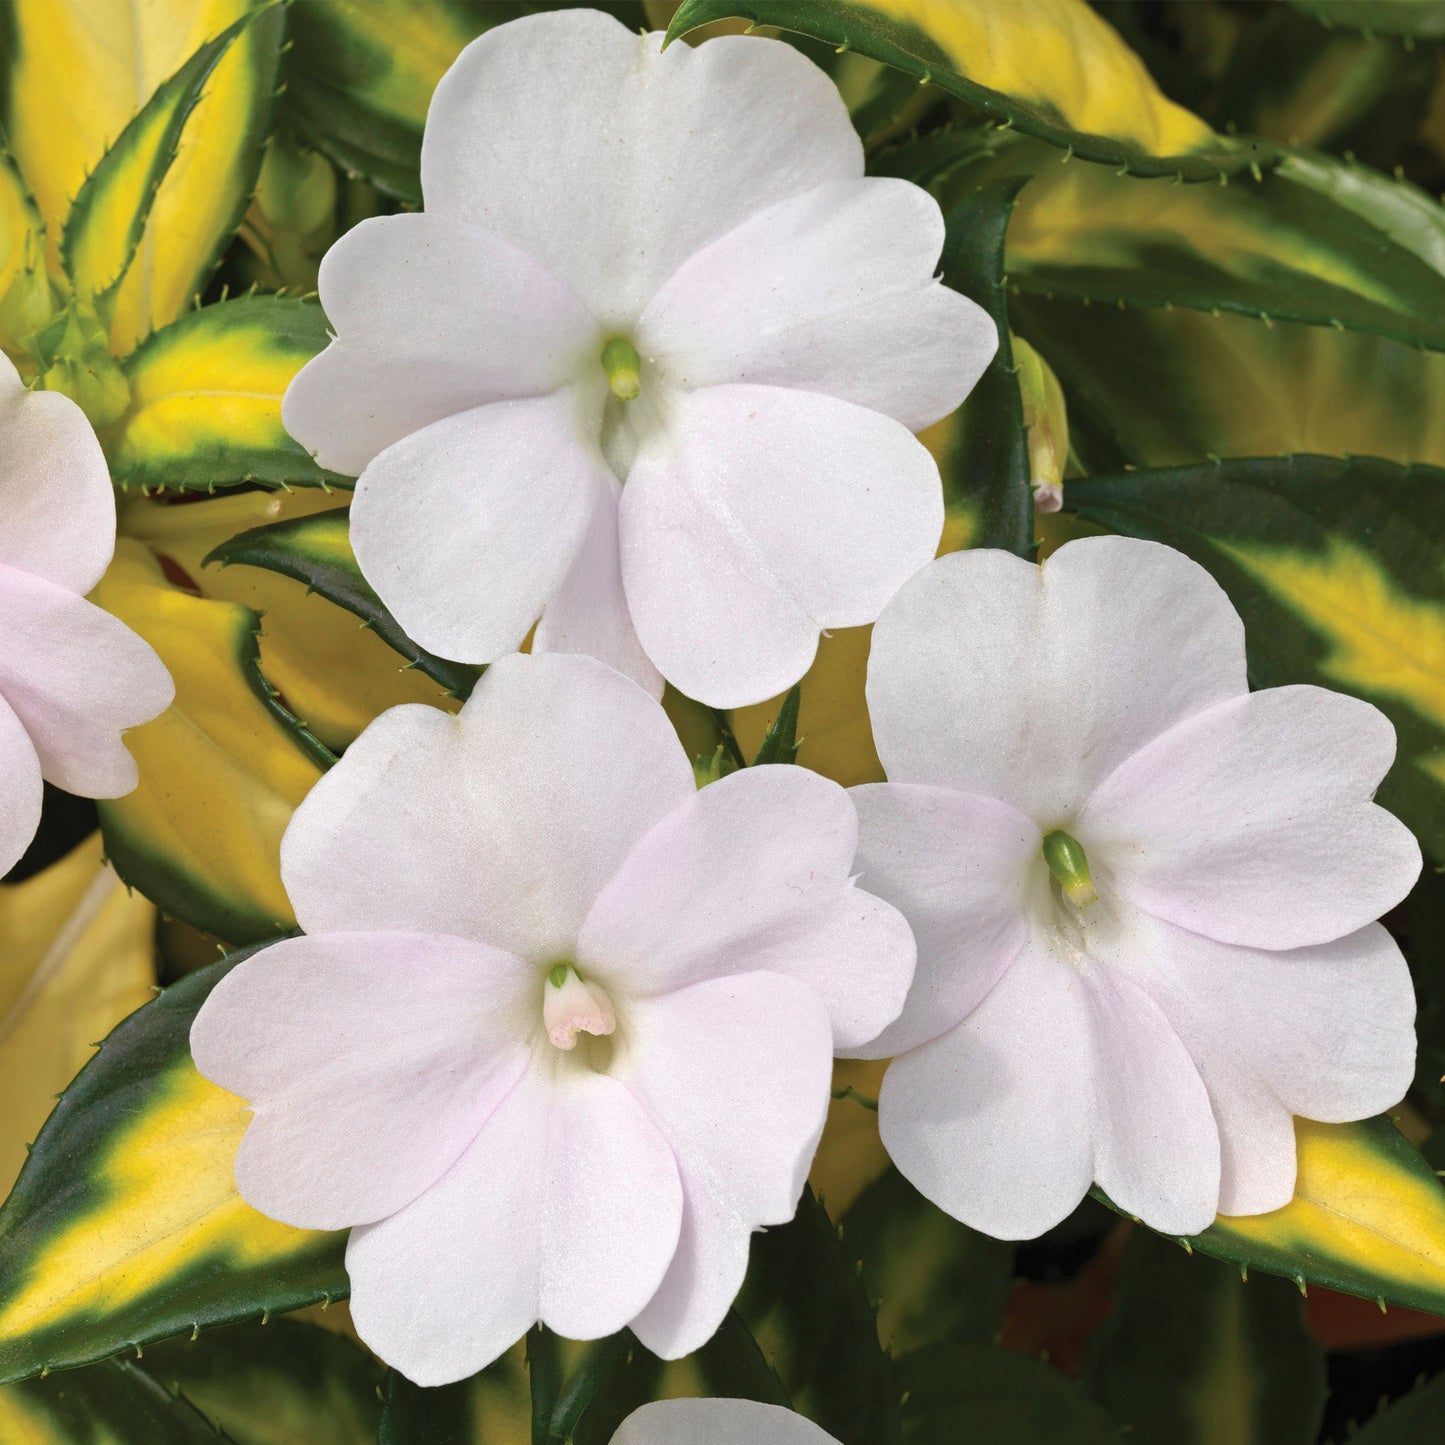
{"type": "Point", "coordinates": [125, 1226]}
{"type": "Point", "coordinates": [1416, 18]}
{"type": "Point", "coordinates": [1051, 68]}
{"type": "Point", "coordinates": [1335, 567]}
{"type": "Point", "coordinates": [25, 299]}
{"type": "Point", "coordinates": [107, 218]}
{"type": "Point", "coordinates": [360, 76]}
{"type": "Point", "coordinates": [221, 770]}
{"type": "Point", "coordinates": [205, 407]}
{"type": "Point", "coordinates": [112, 1403]}
{"type": "Point", "coordinates": [79, 956]}
{"type": "Point", "coordinates": [107, 61]}
{"type": "Point", "coordinates": [1317, 240]}
{"type": "Point", "coordinates": [1368, 1218]}
{"type": "Point", "coordinates": [315, 551]}
{"type": "Point", "coordinates": [1196, 1355]}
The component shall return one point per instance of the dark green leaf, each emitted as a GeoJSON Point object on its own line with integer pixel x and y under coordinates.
{"type": "Point", "coordinates": [1415, 1420]}
{"type": "Point", "coordinates": [780, 744]}
{"type": "Point", "coordinates": [1424, 19]}
{"type": "Point", "coordinates": [1193, 1354]}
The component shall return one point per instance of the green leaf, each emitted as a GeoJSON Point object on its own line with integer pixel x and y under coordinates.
{"type": "Point", "coordinates": [1415, 1420]}
{"type": "Point", "coordinates": [1317, 240]}
{"type": "Point", "coordinates": [205, 408]}
{"type": "Point", "coordinates": [1020, 64]}
{"type": "Point", "coordinates": [317, 551]}
{"type": "Point", "coordinates": [1424, 19]}
{"type": "Point", "coordinates": [984, 444]}
{"type": "Point", "coordinates": [1334, 566]}
{"type": "Point", "coordinates": [125, 1226]}
{"type": "Point", "coordinates": [108, 217]}
{"type": "Point", "coordinates": [1154, 388]}
{"type": "Point", "coordinates": [1195, 1355]}
{"type": "Point", "coordinates": [491, 1408]}
{"type": "Point", "coordinates": [930, 1278]}
{"type": "Point", "coordinates": [283, 1383]}
{"type": "Point", "coordinates": [780, 744]}
{"type": "Point", "coordinates": [112, 1402]}
{"type": "Point", "coordinates": [1295, 82]}
{"type": "Point", "coordinates": [984, 1393]}
{"type": "Point", "coordinates": [360, 76]}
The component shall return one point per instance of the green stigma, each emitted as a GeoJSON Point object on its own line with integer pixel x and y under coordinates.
{"type": "Point", "coordinates": [1070, 865]}
{"type": "Point", "coordinates": [558, 975]}
{"type": "Point", "coordinates": [623, 367]}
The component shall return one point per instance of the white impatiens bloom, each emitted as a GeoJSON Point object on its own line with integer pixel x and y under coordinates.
{"type": "Point", "coordinates": [72, 678]}
{"type": "Point", "coordinates": [717, 1422]}
{"type": "Point", "coordinates": [1143, 895]}
{"type": "Point", "coordinates": [647, 368]}
{"type": "Point", "coordinates": [559, 1035]}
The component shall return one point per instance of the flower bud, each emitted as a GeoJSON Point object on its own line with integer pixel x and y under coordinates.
{"type": "Point", "coordinates": [1047, 420]}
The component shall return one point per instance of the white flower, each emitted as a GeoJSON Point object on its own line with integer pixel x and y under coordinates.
{"type": "Point", "coordinates": [717, 1422]}
{"type": "Point", "coordinates": [560, 1035]}
{"type": "Point", "coordinates": [663, 269]}
{"type": "Point", "coordinates": [72, 678]}
{"type": "Point", "coordinates": [1143, 896]}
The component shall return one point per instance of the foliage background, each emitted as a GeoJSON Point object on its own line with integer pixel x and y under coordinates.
{"type": "Point", "coordinates": [1212, 231]}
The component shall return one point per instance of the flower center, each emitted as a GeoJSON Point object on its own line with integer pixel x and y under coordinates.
{"type": "Point", "coordinates": [623, 367]}
{"type": "Point", "coordinates": [1070, 865]}
{"type": "Point", "coordinates": [571, 1005]}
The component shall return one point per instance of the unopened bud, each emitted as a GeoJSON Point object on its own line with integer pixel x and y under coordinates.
{"type": "Point", "coordinates": [1047, 420]}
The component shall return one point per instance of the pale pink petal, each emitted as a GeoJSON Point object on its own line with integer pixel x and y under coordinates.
{"type": "Point", "coordinates": [736, 1073]}
{"type": "Point", "coordinates": [612, 161]}
{"type": "Point", "coordinates": [991, 675]}
{"type": "Point", "coordinates": [1156, 1145]}
{"type": "Point", "coordinates": [565, 1209]}
{"type": "Point", "coordinates": [20, 798]}
{"type": "Point", "coordinates": [717, 1422]}
{"type": "Point", "coordinates": [833, 291]}
{"type": "Point", "coordinates": [371, 1061]}
{"type": "Point", "coordinates": [502, 824]}
{"type": "Point", "coordinates": [55, 493]}
{"type": "Point", "coordinates": [431, 318]}
{"type": "Point", "coordinates": [956, 866]}
{"type": "Point", "coordinates": [1253, 822]}
{"type": "Point", "coordinates": [77, 678]}
{"type": "Point", "coordinates": [1326, 1032]}
{"type": "Point", "coordinates": [752, 874]}
{"type": "Point", "coordinates": [467, 527]}
{"type": "Point", "coordinates": [588, 612]}
{"type": "Point", "coordinates": [991, 1121]}
{"type": "Point", "coordinates": [762, 517]}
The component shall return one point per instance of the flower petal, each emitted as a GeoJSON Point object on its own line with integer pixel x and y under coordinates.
{"type": "Point", "coordinates": [717, 1422]}
{"type": "Point", "coordinates": [611, 161]}
{"type": "Point", "coordinates": [468, 526]}
{"type": "Point", "coordinates": [992, 1120]}
{"type": "Point", "coordinates": [22, 795]}
{"type": "Point", "coordinates": [1326, 1032]}
{"type": "Point", "coordinates": [1032, 684]}
{"type": "Point", "coordinates": [502, 824]}
{"type": "Point", "coordinates": [736, 1072]}
{"type": "Point", "coordinates": [431, 318]}
{"type": "Point", "coordinates": [77, 678]}
{"type": "Point", "coordinates": [1253, 822]}
{"type": "Point", "coordinates": [55, 492]}
{"type": "Point", "coordinates": [565, 1209]}
{"type": "Point", "coordinates": [371, 1060]}
{"type": "Point", "coordinates": [829, 291]}
{"type": "Point", "coordinates": [764, 517]}
{"type": "Point", "coordinates": [956, 866]}
{"type": "Point", "coordinates": [752, 874]}
{"type": "Point", "coordinates": [588, 612]}
{"type": "Point", "coordinates": [1156, 1145]}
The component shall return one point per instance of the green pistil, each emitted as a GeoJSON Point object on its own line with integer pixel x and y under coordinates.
{"type": "Point", "coordinates": [623, 367]}
{"type": "Point", "coordinates": [558, 975]}
{"type": "Point", "coordinates": [1070, 865]}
